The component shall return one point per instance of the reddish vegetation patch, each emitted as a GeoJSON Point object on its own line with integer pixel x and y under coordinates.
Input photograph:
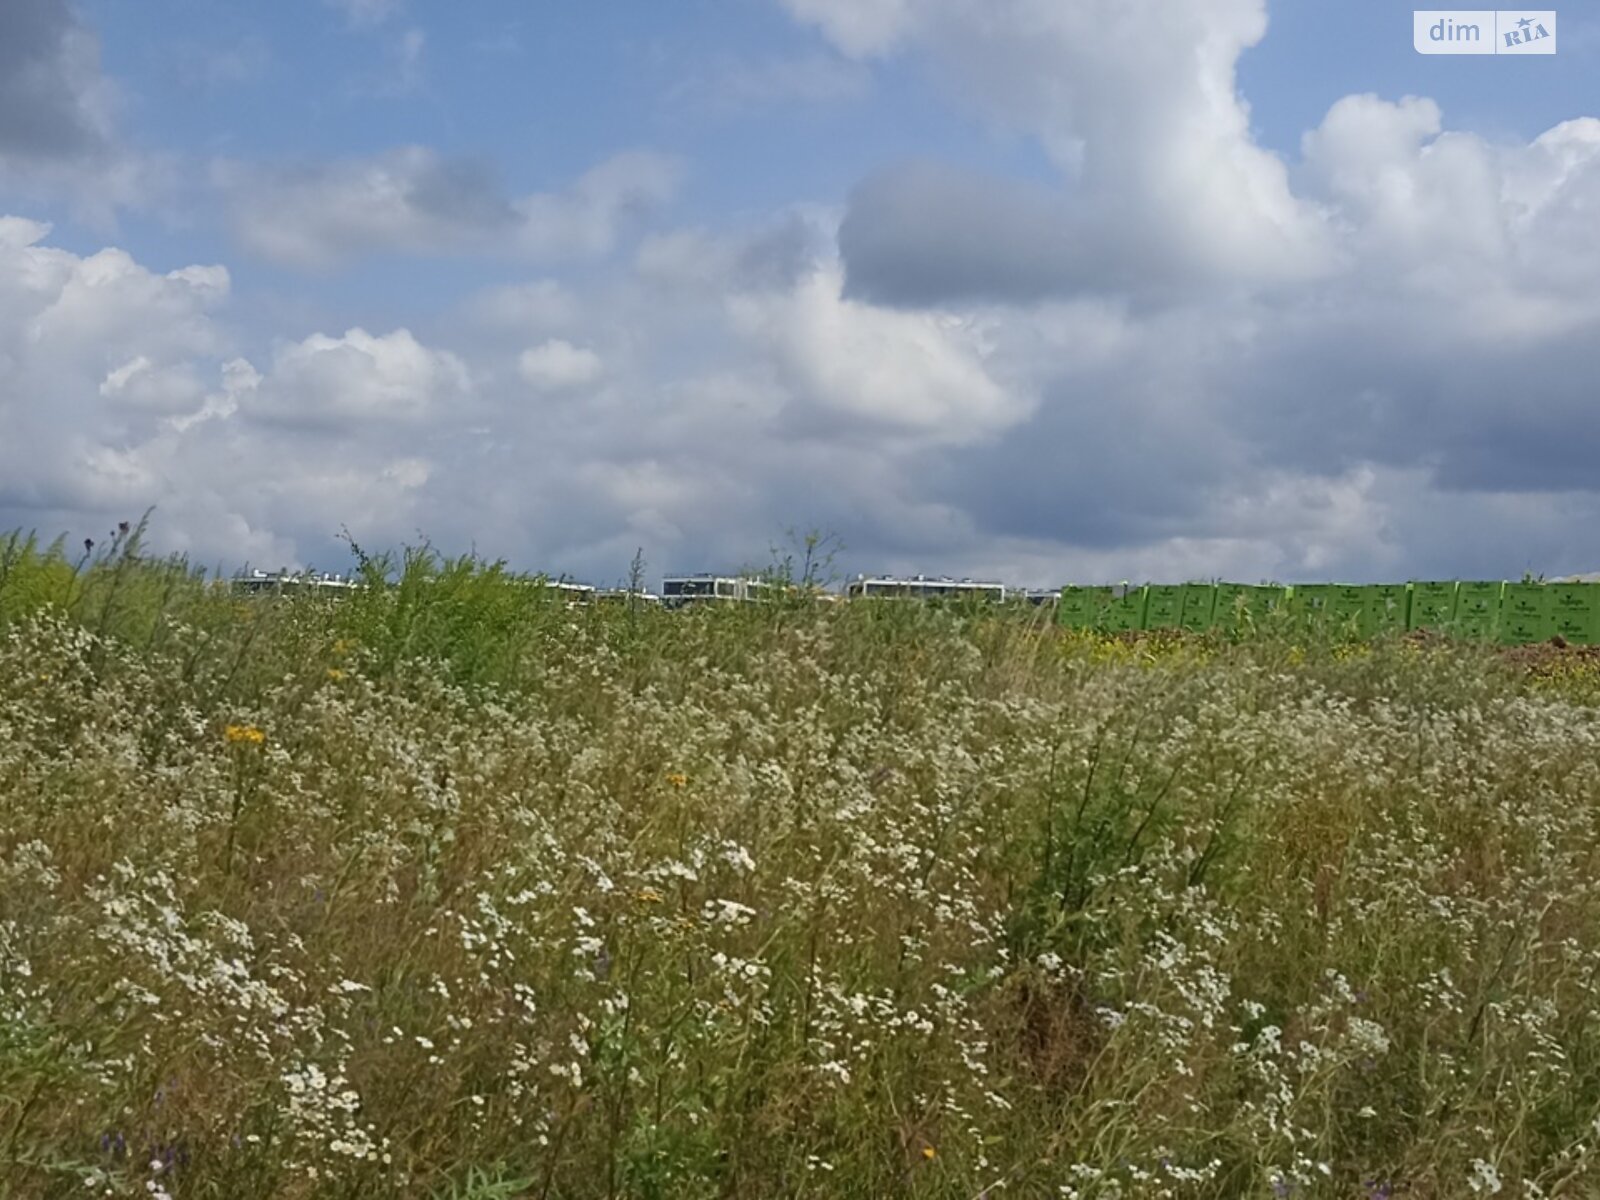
{"type": "Point", "coordinates": [1537, 658]}
{"type": "Point", "coordinates": [1556, 654]}
{"type": "Point", "coordinates": [1056, 1032]}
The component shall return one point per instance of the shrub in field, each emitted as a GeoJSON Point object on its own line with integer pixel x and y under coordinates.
{"type": "Point", "coordinates": [446, 889]}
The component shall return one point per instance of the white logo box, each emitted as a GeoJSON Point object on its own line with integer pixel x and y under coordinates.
{"type": "Point", "coordinates": [1484, 31]}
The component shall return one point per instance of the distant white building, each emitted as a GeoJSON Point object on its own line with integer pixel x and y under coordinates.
{"type": "Point", "coordinates": [257, 581]}
{"type": "Point", "coordinates": [573, 593]}
{"type": "Point", "coordinates": [626, 596]}
{"type": "Point", "coordinates": [679, 590]}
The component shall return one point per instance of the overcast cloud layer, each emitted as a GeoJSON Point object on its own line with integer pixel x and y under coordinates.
{"type": "Point", "coordinates": [1163, 351]}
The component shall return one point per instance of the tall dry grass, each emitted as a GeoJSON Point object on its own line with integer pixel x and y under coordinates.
{"type": "Point", "coordinates": [448, 890]}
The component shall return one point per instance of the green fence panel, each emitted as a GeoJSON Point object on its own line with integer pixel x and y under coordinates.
{"type": "Point", "coordinates": [1478, 609]}
{"type": "Point", "coordinates": [1518, 629]}
{"type": "Point", "coordinates": [1277, 602]}
{"type": "Point", "coordinates": [1231, 605]}
{"type": "Point", "coordinates": [1197, 609]}
{"type": "Point", "coordinates": [1525, 599]}
{"type": "Point", "coordinates": [1164, 608]}
{"type": "Point", "coordinates": [1082, 607]}
{"type": "Point", "coordinates": [1513, 613]}
{"type": "Point", "coordinates": [1125, 612]}
{"type": "Point", "coordinates": [1347, 608]}
{"type": "Point", "coordinates": [1309, 602]}
{"type": "Point", "coordinates": [1433, 605]}
{"type": "Point", "coordinates": [1242, 605]}
{"type": "Point", "coordinates": [1526, 614]}
{"type": "Point", "coordinates": [1388, 608]}
{"type": "Point", "coordinates": [1575, 612]}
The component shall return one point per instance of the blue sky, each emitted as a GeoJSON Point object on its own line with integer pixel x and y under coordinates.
{"type": "Point", "coordinates": [1045, 289]}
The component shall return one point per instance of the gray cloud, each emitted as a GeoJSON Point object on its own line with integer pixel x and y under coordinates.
{"type": "Point", "coordinates": [58, 134]}
{"type": "Point", "coordinates": [416, 201]}
{"type": "Point", "coordinates": [928, 234]}
{"type": "Point", "coordinates": [52, 96]}
{"type": "Point", "coordinates": [1135, 103]}
{"type": "Point", "coordinates": [700, 406]}
{"type": "Point", "coordinates": [774, 256]}
{"type": "Point", "coordinates": [1352, 420]}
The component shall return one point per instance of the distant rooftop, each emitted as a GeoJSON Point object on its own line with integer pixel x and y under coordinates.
{"type": "Point", "coordinates": [258, 580]}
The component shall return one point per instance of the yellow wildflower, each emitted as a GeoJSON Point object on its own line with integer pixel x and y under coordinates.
{"type": "Point", "coordinates": [647, 895]}
{"type": "Point", "coordinates": [343, 646]}
{"type": "Point", "coordinates": [335, 674]}
{"type": "Point", "coordinates": [678, 779]}
{"type": "Point", "coordinates": [929, 1153]}
{"type": "Point", "coordinates": [246, 735]}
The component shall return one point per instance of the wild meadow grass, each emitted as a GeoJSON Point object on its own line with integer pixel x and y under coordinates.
{"type": "Point", "coordinates": [444, 889]}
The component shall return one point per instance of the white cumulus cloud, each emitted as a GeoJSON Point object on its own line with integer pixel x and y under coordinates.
{"type": "Point", "coordinates": [356, 379]}
{"type": "Point", "coordinates": [558, 366]}
{"type": "Point", "coordinates": [882, 371]}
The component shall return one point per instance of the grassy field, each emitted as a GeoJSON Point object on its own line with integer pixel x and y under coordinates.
{"type": "Point", "coordinates": [446, 890]}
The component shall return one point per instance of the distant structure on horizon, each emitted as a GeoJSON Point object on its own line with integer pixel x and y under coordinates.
{"type": "Point", "coordinates": [291, 581]}
{"type": "Point", "coordinates": [921, 587]}
{"type": "Point", "coordinates": [705, 588]}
